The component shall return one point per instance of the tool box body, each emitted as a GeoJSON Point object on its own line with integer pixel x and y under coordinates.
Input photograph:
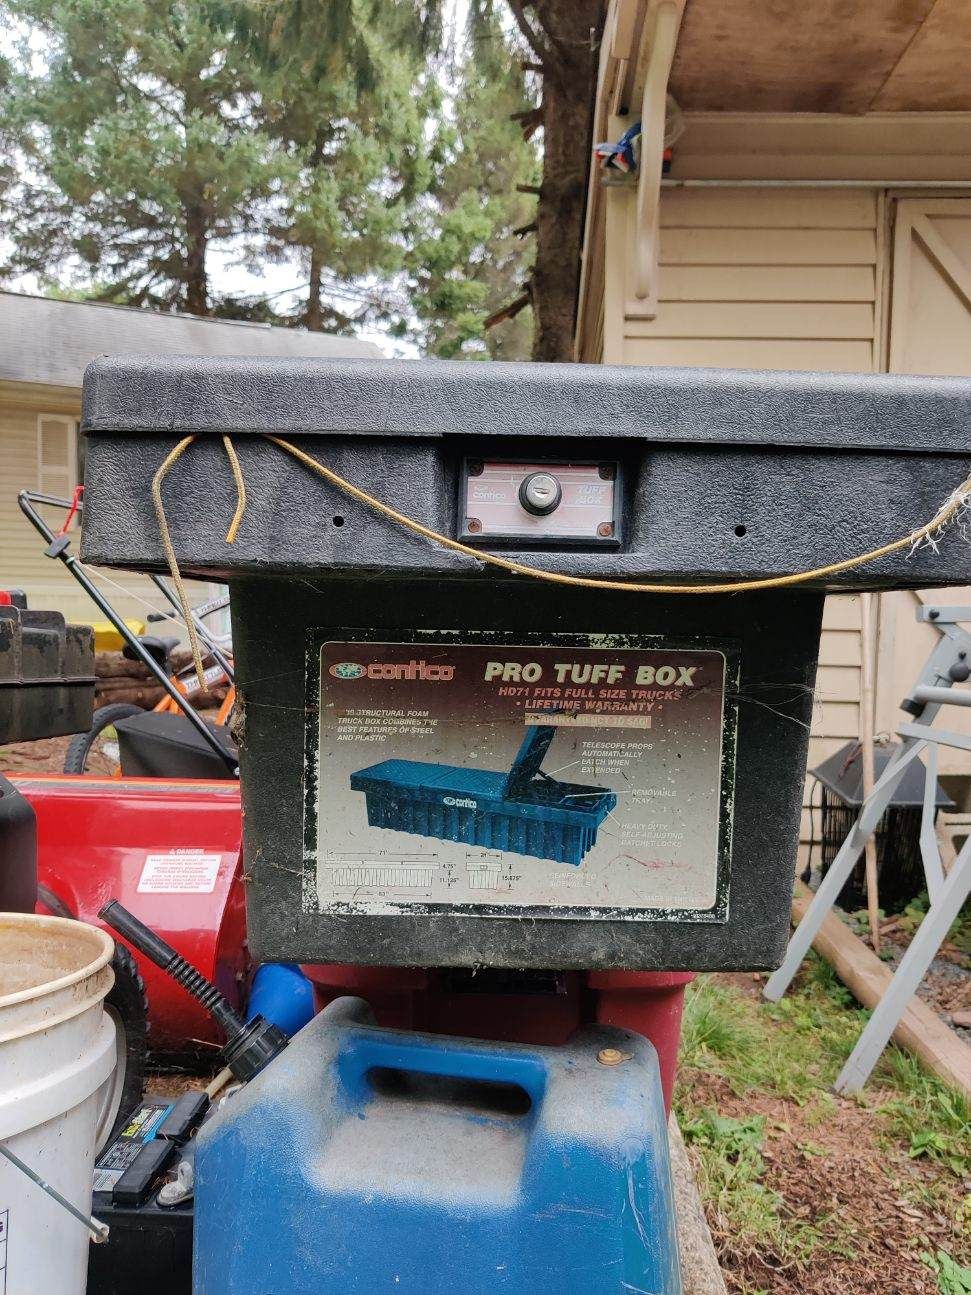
{"type": "Point", "coordinates": [776, 637]}
{"type": "Point", "coordinates": [518, 810]}
{"type": "Point", "coordinates": [709, 475]}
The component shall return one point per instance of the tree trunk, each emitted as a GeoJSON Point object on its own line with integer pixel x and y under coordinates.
{"type": "Point", "coordinates": [569, 82]}
{"type": "Point", "coordinates": [196, 280]}
{"type": "Point", "coordinates": [314, 317]}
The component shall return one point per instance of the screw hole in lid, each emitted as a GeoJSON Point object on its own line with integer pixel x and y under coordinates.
{"type": "Point", "coordinates": [338, 521]}
{"type": "Point", "coordinates": [741, 531]}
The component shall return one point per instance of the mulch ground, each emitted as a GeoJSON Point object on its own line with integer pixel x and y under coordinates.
{"type": "Point", "coordinates": [871, 1202]}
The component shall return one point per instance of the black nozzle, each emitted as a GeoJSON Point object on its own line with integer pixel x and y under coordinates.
{"type": "Point", "coordinates": [249, 1044]}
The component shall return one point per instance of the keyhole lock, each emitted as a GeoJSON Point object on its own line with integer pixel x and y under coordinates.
{"type": "Point", "coordinates": [540, 493]}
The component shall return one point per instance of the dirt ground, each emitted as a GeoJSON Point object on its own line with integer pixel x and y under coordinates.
{"type": "Point", "coordinates": [837, 1177]}
{"type": "Point", "coordinates": [858, 1210]}
{"type": "Point", "coordinates": [34, 757]}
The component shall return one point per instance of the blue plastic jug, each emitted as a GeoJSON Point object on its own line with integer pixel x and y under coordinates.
{"type": "Point", "coordinates": [370, 1160]}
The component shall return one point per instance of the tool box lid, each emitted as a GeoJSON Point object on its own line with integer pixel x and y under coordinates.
{"type": "Point", "coordinates": [181, 395]}
{"type": "Point", "coordinates": [718, 474]}
{"type": "Point", "coordinates": [529, 757]}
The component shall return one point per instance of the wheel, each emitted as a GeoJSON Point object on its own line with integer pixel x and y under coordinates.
{"type": "Point", "coordinates": [127, 1007]}
{"type": "Point", "coordinates": [97, 750]}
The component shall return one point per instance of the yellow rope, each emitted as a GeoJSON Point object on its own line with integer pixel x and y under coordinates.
{"type": "Point", "coordinates": [940, 518]}
{"type": "Point", "coordinates": [240, 491]}
{"type": "Point", "coordinates": [944, 514]}
{"type": "Point", "coordinates": [167, 464]}
{"type": "Point", "coordinates": [170, 459]}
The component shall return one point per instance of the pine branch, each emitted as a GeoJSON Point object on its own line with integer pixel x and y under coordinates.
{"type": "Point", "coordinates": [530, 120]}
{"type": "Point", "coordinates": [511, 310]}
{"type": "Point", "coordinates": [528, 188]}
{"type": "Point", "coordinates": [533, 38]}
{"type": "Point", "coordinates": [522, 230]}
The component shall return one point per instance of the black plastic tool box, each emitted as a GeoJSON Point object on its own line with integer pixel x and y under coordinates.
{"type": "Point", "coordinates": [46, 675]}
{"type": "Point", "coordinates": [523, 810]}
{"type": "Point", "coordinates": [46, 690]}
{"type": "Point", "coordinates": [359, 642]}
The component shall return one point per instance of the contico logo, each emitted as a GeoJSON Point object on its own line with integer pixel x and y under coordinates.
{"type": "Point", "coordinates": [428, 673]}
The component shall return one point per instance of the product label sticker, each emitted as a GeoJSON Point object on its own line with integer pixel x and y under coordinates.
{"type": "Point", "coordinates": [183, 872]}
{"type": "Point", "coordinates": [122, 1153]}
{"type": "Point", "coordinates": [574, 776]}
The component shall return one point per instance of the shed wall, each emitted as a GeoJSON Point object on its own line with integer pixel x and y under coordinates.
{"type": "Point", "coordinates": [801, 278]}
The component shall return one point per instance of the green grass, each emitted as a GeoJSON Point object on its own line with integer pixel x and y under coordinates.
{"type": "Point", "coordinates": [789, 1049]}
{"type": "Point", "coordinates": [793, 1050]}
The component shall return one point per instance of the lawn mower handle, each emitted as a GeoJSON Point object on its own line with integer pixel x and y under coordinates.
{"type": "Point", "coordinates": [58, 547]}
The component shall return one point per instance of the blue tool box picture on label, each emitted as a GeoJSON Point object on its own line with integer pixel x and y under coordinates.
{"type": "Point", "coordinates": [500, 762]}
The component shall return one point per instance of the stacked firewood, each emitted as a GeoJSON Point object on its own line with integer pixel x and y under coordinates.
{"type": "Point", "coordinates": [119, 680]}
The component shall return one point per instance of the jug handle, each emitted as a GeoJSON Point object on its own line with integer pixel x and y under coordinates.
{"type": "Point", "coordinates": [362, 1052]}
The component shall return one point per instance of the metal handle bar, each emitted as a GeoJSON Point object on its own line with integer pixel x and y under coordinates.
{"type": "Point", "coordinates": [943, 696]}
{"type": "Point", "coordinates": [55, 501]}
{"type": "Point", "coordinates": [26, 500]}
{"type": "Point", "coordinates": [203, 609]}
{"type": "Point", "coordinates": [201, 628]}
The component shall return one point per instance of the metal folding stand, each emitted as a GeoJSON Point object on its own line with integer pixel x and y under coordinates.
{"type": "Point", "coordinates": [948, 664]}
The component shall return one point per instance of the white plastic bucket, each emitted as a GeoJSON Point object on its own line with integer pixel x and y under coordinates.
{"type": "Point", "coordinates": [57, 1049]}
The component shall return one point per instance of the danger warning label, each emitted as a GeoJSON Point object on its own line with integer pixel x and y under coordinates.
{"type": "Point", "coordinates": [184, 872]}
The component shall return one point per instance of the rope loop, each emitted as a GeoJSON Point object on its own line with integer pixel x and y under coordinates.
{"type": "Point", "coordinates": [945, 514]}
{"type": "Point", "coordinates": [163, 526]}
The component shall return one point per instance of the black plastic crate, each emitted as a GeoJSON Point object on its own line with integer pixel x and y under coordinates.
{"type": "Point", "coordinates": [46, 675]}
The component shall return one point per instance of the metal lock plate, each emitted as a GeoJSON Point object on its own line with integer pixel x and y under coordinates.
{"type": "Point", "coordinates": [537, 502]}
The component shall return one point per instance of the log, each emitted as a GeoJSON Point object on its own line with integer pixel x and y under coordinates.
{"type": "Point", "coordinates": [136, 692]}
{"type": "Point", "coordinates": [114, 665]}
{"type": "Point", "coordinates": [920, 1030]}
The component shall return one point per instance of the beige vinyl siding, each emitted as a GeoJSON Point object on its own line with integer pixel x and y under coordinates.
{"type": "Point", "coordinates": [748, 278]}
{"type": "Point", "coordinates": [22, 561]}
{"type": "Point", "coordinates": [836, 714]}
{"type": "Point", "coordinates": [836, 710]}
{"type": "Point", "coordinates": [775, 279]}
{"type": "Point", "coordinates": [32, 456]}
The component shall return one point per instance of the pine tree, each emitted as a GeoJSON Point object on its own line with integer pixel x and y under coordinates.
{"type": "Point", "coordinates": [345, 99]}
{"type": "Point", "coordinates": [467, 259]}
{"type": "Point", "coordinates": [138, 146]}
